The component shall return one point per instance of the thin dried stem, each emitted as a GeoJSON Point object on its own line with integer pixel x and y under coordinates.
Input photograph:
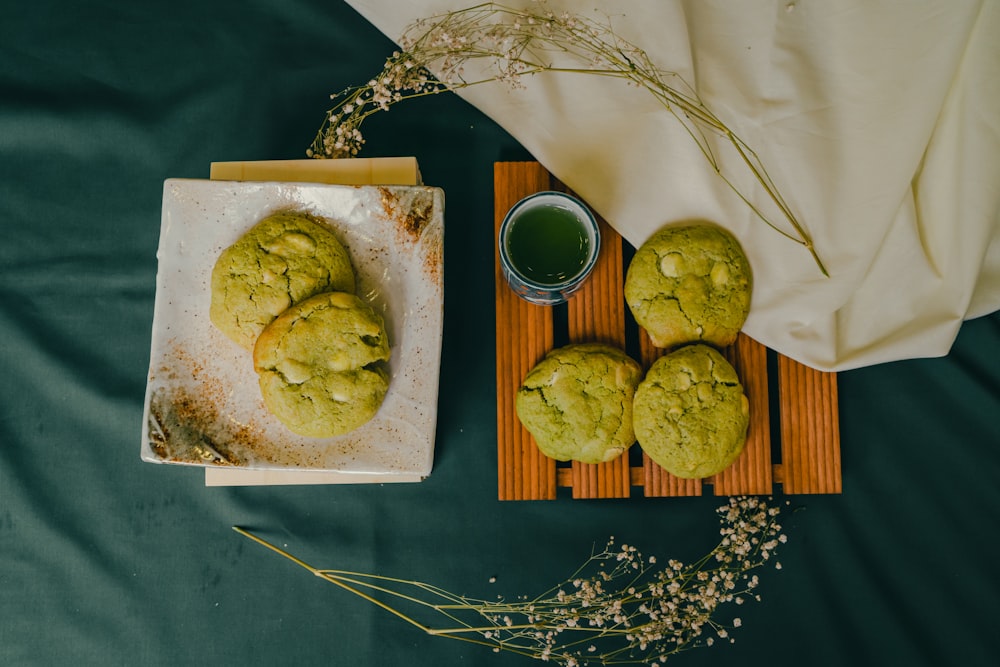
{"type": "Point", "coordinates": [617, 608]}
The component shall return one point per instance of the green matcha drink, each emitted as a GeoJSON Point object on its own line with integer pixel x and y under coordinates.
{"type": "Point", "coordinates": [548, 244]}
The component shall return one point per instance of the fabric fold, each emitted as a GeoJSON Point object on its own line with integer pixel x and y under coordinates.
{"type": "Point", "coordinates": [877, 123]}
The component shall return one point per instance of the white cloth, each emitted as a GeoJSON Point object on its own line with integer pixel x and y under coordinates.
{"type": "Point", "coordinates": [879, 123]}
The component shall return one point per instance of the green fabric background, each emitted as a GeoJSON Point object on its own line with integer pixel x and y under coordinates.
{"type": "Point", "coordinates": [105, 560]}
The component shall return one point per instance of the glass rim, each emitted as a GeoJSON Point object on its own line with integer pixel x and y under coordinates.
{"type": "Point", "coordinates": [589, 221]}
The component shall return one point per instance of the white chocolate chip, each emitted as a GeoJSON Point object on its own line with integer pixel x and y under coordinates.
{"type": "Point", "coordinates": [292, 243]}
{"type": "Point", "coordinates": [294, 372]}
{"type": "Point", "coordinates": [339, 362]}
{"type": "Point", "coordinates": [671, 264]}
{"type": "Point", "coordinates": [343, 300]}
{"type": "Point", "coordinates": [720, 274]}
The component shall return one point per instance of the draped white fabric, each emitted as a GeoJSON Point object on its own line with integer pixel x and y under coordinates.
{"type": "Point", "coordinates": [878, 122]}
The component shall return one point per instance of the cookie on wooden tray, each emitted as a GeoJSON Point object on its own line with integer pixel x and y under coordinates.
{"type": "Point", "coordinates": [319, 364]}
{"type": "Point", "coordinates": [689, 284]}
{"type": "Point", "coordinates": [283, 259]}
{"type": "Point", "coordinates": [690, 412]}
{"type": "Point", "coordinates": [577, 402]}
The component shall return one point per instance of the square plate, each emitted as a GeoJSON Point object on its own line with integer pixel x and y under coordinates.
{"type": "Point", "coordinates": [203, 405]}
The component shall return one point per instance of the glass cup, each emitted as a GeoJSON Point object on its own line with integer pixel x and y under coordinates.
{"type": "Point", "coordinates": [549, 243]}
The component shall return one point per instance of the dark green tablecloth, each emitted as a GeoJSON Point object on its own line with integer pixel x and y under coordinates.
{"type": "Point", "coordinates": [105, 560]}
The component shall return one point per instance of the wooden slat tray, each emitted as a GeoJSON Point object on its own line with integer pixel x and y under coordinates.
{"type": "Point", "coordinates": [801, 453]}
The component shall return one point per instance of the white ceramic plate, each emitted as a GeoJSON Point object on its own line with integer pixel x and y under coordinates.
{"type": "Point", "coordinates": [203, 406]}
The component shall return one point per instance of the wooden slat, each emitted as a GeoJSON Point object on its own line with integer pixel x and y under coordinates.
{"type": "Point", "coordinates": [658, 483]}
{"type": "Point", "coordinates": [752, 471]}
{"type": "Point", "coordinates": [810, 431]}
{"type": "Point", "coordinates": [596, 313]}
{"type": "Point", "coordinates": [524, 334]}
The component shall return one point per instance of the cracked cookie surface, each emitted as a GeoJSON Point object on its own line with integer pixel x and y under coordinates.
{"type": "Point", "coordinates": [690, 412]}
{"type": "Point", "coordinates": [577, 402]}
{"type": "Point", "coordinates": [319, 365]}
{"type": "Point", "coordinates": [689, 284]}
{"type": "Point", "coordinates": [283, 259]}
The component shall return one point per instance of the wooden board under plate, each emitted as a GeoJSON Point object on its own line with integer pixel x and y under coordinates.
{"type": "Point", "coordinates": [801, 453]}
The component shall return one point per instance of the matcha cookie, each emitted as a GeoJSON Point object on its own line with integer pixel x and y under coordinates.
{"type": "Point", "coordinates": [689, 284]}
{"type": "Point", "coordinates": [280, 261]}
{"type": "Point", "coordinates": [690, 412]}
{"type": "Point", "coordinates": [319, 365]}
{"type": "Point", "coordinates": [577, 402]}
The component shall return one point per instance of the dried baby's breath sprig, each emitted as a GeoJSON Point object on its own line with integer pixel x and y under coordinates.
{"type": "Point", "coordinates": [618, 608]}
{"type": "Point", "coordinates": [512, 43]}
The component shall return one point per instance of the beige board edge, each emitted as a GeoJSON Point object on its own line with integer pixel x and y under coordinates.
{"type": "Point", "coordinates": [349, 171]}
